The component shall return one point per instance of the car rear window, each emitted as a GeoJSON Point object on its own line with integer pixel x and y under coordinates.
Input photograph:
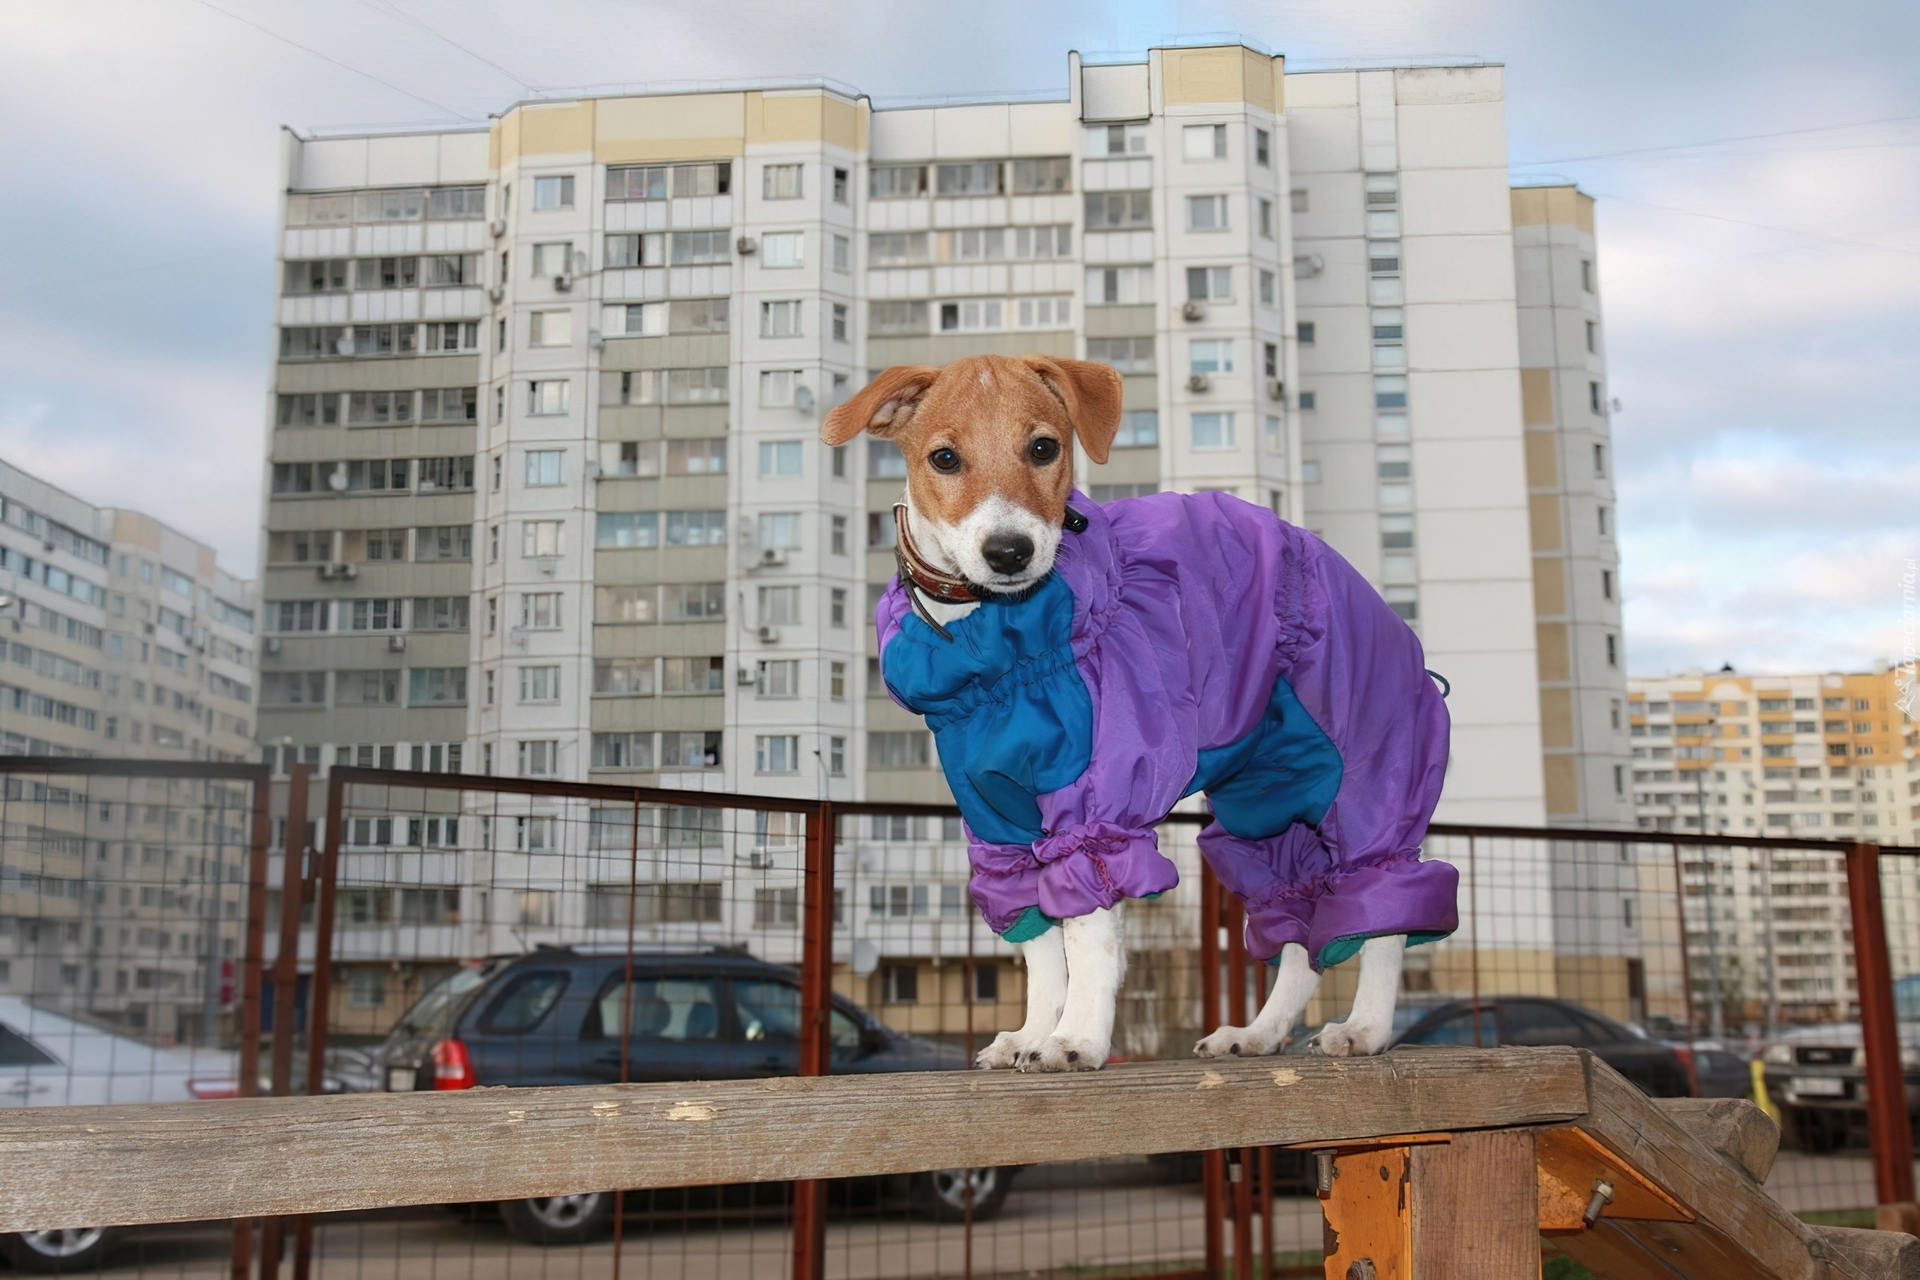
{"type": "Point", "coordinates": [1535, 1022]}
{"type": "Point", "coordinates": [433, 1012]}
{"type": "Point", "coordinates": [18, 1051]}
{"type": "Point", "coordinates": [1457, 1029]}
{"type": "Point", "coordinates": [526, 999]}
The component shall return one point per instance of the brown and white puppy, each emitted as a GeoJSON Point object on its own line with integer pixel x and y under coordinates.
{"type": "Point", "coordinates": [989, 447]}
{"type": "Point", "coordinates": [988, 443]}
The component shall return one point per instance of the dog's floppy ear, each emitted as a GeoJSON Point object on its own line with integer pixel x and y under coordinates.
{"type": "Point", "coordinates": [1091, 394]}
{"type": "Point", "coordinates": [882, 406]}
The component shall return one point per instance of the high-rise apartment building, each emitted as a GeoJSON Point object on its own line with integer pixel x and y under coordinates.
{"type": "Point", "coordinates": [122, 637]}
{"type": "Point", "coordinates": [1825, 757]}
{"type": "Point", "coordinates": [546, 492]}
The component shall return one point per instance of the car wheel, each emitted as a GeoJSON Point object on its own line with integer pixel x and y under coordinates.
{"type": "Point", "coordinates": [559, 1219]}
{"type": "Point", "coordinates": [71, 1249]}
{"type": "Point", "coordinates": [942, 1193]}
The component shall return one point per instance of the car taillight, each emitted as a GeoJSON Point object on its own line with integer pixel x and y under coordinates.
{"type": "Point", "coordinates": [205, 1089]}
{"type": "Point", "coordinates": [1693, 1076]}
{"type": "Point", "coordinates": [452, 1068]}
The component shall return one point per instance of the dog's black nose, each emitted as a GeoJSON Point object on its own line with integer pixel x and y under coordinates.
{"type": "Point", "coordinates": [1007, 553]}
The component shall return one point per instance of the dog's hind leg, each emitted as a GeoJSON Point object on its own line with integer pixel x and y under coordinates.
{"type": "Point", "coordinates": [1096, 961]}
{"type": "Point", "coordinates": [1370, 1025]}
{"type": "Point", "coordinates": [1293, 986]}
{"type": "Point", "coordinates": [1046, 959]}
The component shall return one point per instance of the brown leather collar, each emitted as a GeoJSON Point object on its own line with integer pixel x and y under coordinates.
{"type": "Point", "coordinates": [944, 587]}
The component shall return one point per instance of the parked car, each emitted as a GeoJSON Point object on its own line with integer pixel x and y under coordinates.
{"type": "Point", "coordinates": [1537, 1020]}
{"type": "Point", "coordinates": [1816, 1078]}
{"type": "Point", "coordinates": [49, 1059]}
{"type": "Point", "coordinates": [1719, 1070]}
{"type": "Point", "coordinates": [553, 1017]}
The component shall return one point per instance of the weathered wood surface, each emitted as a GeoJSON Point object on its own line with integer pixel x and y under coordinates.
{"type": "Point", "coordinates": [1474, 1208]}
{"type": "Point", "coordinates": [1852, 1254]}
{"type": "Point", "coordinates": [1734, 1127]}
{"type": "Point", "coordinates": [72, 1166]}
{"type": "Point", "coordinates": [1740, 1231]}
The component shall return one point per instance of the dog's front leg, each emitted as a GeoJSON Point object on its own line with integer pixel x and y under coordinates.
{"type": "Point", "coordinates": [1370, 1025]}
{"type": "Point", "coordinates": [1046, 959]}
{"type": "Point", "coordinates": [1096, 961]}
{"type": "Point", "coordinates": [1292, 987]}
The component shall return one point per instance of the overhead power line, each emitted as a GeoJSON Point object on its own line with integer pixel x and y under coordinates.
{"type": "Point", "coordinates": [396, 11]}
{"type": "Point", "coordinates": [329, 58]}
{"type": "Point", "coordinates": [1714, 142]}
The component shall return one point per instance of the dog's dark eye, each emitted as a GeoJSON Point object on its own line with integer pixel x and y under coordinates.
{"type": "Point", "coordinates": [944, 460]}
{"type": "Point", "coordinates": [1043, 450]}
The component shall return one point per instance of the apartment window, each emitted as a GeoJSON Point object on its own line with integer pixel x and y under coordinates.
{"type": "Point", "coordinates": [539, 758]}
{"type": "Point", "coordinates": [1266, 219]}
{"type": "Point", "coordinates": [780, 457]}
{"type": "Point", "coordinates": [839, 186]}
{"type": "Point", "coordinates": [540, 537]}
{"type": "Point", "coordinates": [1586, 274]}
{"type": "Point", "coordinates": [979, 178]}
{"type": "Point", "coordinates": [779, 678]}
{"type": "Point", "coordinates": [776, 753]}
{"type": "Point", "coordinates": [1127, 355]}
{"type": "Point", "coordinates": [550, 329]}
{"type": "Point", "coordinates": [698, 602]}
{"type": "Point", "coordinates": [622, 751]}
{"type": "Point", "coordinates": [554, 258]}
{"type": "Point", "coordinates": [779, 606]}
{"type": "Point", "coordinates": [780, 181]}
{"type": "Point", "coordinates": [1043, 313]}
{"type": "Point", "coordinates": [972, 315]}
{"type": "Point", "coordinates": [1404, 601]}
{"type": "Point", "coordinates": [629, 676]}
{"type": "Point", "coordinates": [881, 531]}
{"type": "Point", "coordinates": [640, 182]}
{"type": "Point", "coordinates": [436, 686]}
{"type": "Point", "coordinates": [899, 983]}
{"type": "Point", "coordinates": [837, 754]}
{"type": "Point", "coordinates": [1139, 429]}
{"type": "Point", "coordinates": [1210, 355]}
{"type": "Point", "coordinates": [1213, 431]}
{"type": "Point", "coordinates": [544, 467]}
{"type": "Point", "coordinates": [553, 193]}
{"type": "Point", "coordinates": [1111, 210]}
{"type": "Point", "coordinates": [840, 322]}
{"type": "Point", "coordinates": [693, 675]}
{"type": "Point", "coordinates": [1119, 286]}
{"type": "Point", "coordinates": [547, 397]}
{"type": "Point", "coordinates": [1606, 584]}
{"type": "Point", "coordinates": [838, 536]}
{"type": "Point", "coordinates": [696, 528]}
{"type": "Point", "coordinates": [839, 453]}
{"type": "Point", "coordinates": [777, 387]}
{"type": "Point", "coordinates": [890, 318]}
{"type": "Point", "coordinates": [781, 249]}
{"type": "Point", "coordinates": [1613, 651]}
{"type": "Point", "coordinates": [1600, 460]}
{"type": "Point", "coordinates": [1209, 284]}
{"type": "Point", "coordinates": [697, 457]}
{"type": "Point", "coordinates": [540, 610]}
{"type": "Point", "coordinates": [897, 182]}
{"type": "Point", "coordinates": [539, 684]}
{"type": "Point", "coordinates": [1593, 397]}
{"type": "Point", "coordinates": [1204, 141]}
{"type": "Point", "coordinates": [1297, 199]}
{"type": "Point", "coordinates": [837, 606]}
{"type": "Point", "coordinates": [899, 749]}
{"type": "Point", "coordinates": [1390, 391]}
{"type": "Point", "coordinates": [1206, 213]}
{"type": "Point", "coordinates": [780, 319]}
{"type": "Point", "coordinates": [1262, 147]}
{"type": "Point", "coordinates": [379, 407]}
{"type": "Point", "coordinates": [694, 248]}
{"type": "Point", "coordinates": [500, 392]}
{"type": "Point", "coordinates": [780, 531]}
{"type": "Point", "coordinates": [1383, 257]}
{"type": "Point", "coordinates": [298, 688]}
{"type": "Point", "coordinates": [842, 260]}
{"type": "Point", "coordinates": [1593, 337]}
{"type": "Point", "coordinates": [1117, 140]}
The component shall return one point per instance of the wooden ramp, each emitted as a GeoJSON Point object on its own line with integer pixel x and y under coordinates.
{"type": "Point", "coordinates": [1432, 1162]}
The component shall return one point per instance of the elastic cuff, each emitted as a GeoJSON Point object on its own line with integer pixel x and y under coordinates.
{"type": "Point", "coordinates": [1400, 895]}
{"type": "Point", "coordinates": [1092, 866]}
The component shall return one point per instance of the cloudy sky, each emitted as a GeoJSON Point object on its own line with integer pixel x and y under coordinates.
{"type": "Point", "coordinates": [1757, 165]}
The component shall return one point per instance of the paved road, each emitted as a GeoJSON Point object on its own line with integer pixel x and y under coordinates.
{"type": "Point", "coordinates": [1056, 1217]}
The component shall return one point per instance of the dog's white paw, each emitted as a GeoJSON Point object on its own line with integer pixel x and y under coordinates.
{"type": "Point", "coordinates": [1241, 1042]}
{"type": "Point", "coordinates": [1066, 1053]}
{"type": "Point", "coordinates": [1352, 1040]}
{"type": "Point", "coordinates": [1009, 1049]}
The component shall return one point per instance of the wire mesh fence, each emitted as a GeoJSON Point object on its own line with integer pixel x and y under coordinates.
{"type": "Point", "coordinates": [441, 932]}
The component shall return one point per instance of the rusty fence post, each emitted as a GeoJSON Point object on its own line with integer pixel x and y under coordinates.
{"type": "Point", "coordinates": [286, 978]}
{"type": "Point", "coordinates": [1213, 1164]}
{"type": "Point", "coordinates": [816, 1028]}
{"type": "Point", "coordinates": [1888, 1123]}
{"type": "Point", "coordinates": [251, 972]}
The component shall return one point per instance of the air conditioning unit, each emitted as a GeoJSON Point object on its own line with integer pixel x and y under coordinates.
{"type": "Point", "coordinates": [271, 646]}
{"type": "Point", "coordinates": [498, 227]}
{"type": "Point", "coordinates": [769, 635]}
{"type": "Point", "coordinates": [745, 676]}
{"type": "Point", "coordinates": [497, 294]}
{"type": "Point", "coordinates": [325, 571]}
{"type": "Point", "coordinates": [772, 558]}
{"type": "Point", "coordinates": [1198, 382]}
{"type": "Point", "coordinates": [1308, 265]}
{"type": "Point", "coordinates": [746, 245]}
{"type": "Point", "coordinates": [547, 565]}
{"type": "Point", "coordinates": [396, 644]}
{"type": "Point", "coordinates": [346, 572]}
{"type": "Point", "coordinates": [562, 283]}
{"type": "Point", "coordinates": [1276, 389]}
{"type": "Point", "coordinates": [1192, 311]}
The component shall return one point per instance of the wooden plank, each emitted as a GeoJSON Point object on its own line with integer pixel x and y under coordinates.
{"type": "Point", "coordinates": [1734, 1127]}
{"type": "Point", "coordinates": [1740, 1231]}
{"type": "Point", "coordinates": [1368, 1214]}
{"type": "Point", "coordinates": [1474, 1207]}
{"type": "Point", "coordinates": [74, 1166]}
{"type": "Point", "coordinates": [1573, 1163]}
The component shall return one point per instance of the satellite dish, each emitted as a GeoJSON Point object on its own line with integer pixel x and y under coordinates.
{"type": "Point", "coordinates": [803, 399]}
{"type": "Point", "coordinates": [337, 480]}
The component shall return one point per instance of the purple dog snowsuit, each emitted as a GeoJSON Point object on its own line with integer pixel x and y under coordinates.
{"type": "Point", "coordinates": [1189, 643]}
